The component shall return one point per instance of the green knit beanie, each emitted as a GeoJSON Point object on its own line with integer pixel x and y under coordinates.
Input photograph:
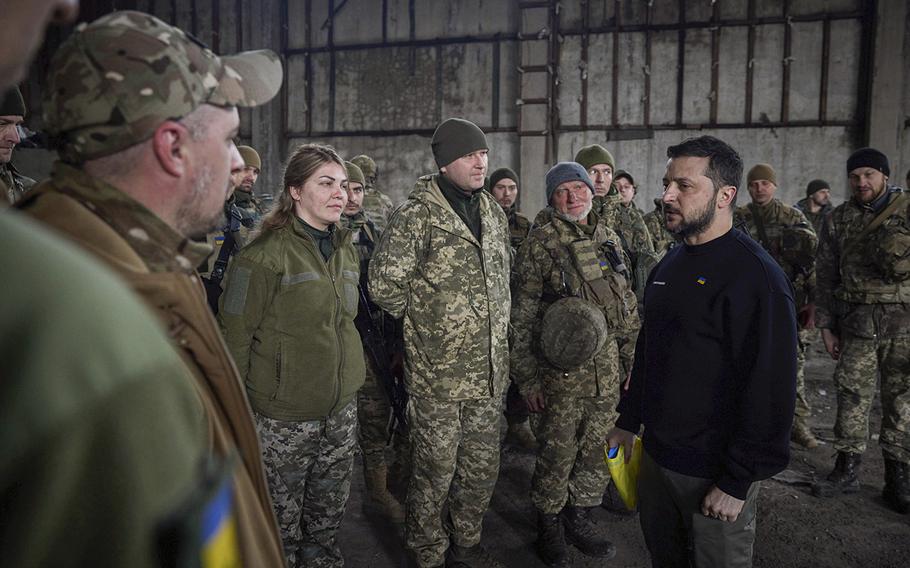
{"type": "Point", "coordinates": [501, 174]}
{"type": "Point", "coordinates": [761, 171]}
{"type": "Point", "coordinates": [12, 103]}
{"type": "Point", "coordinates": [590, 156]}
{"type": "Point", "coordinates": [454, 138]}
{"type": "Point", "coordinates": [355, 174]}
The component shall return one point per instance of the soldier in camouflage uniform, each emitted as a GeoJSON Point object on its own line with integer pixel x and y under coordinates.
{"type": "Point", "coordinates": [144, 117]}
{"type": "Point", "coordinates": [789, 238]}
{"type": "Point", "coordinates": [864, 314]}
{"type": "Point", "coordinates": [12, 113]}
{"type": "Point", "coordinates": [817, 203]}
{"type": "Point", "coordinates": [248, 205]}
{"type": "Point", "coordinates": [626, 221]}
{"type": "Point", "coordinates": [374, 409]}
{"type": "Point", "coordinates": [443, 265]}
{"type": "Point", "coordinates": [662, 239]}
{"type": "Point", "coordinates": [377, 205]}
{"type": "Point", "coordinates": [504, 187]}
{"type": "Point", "coordinates": [574, 255]}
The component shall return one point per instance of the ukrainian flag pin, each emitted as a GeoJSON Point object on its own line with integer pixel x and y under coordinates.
{"type": "Point", "coordinates": [701, 280]}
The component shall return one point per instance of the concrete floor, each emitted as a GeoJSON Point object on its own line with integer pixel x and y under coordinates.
{"type": "Point", "coordinates": [794, 529]}
{"type": "Point", "coordinates": [509, 529]}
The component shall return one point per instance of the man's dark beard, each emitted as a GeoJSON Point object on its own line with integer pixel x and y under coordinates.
{"type": "Point", "coordinates": [698, 225]}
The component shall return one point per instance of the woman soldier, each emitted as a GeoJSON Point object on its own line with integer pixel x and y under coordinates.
{"type": "Point", "coordinates": [287, 315]}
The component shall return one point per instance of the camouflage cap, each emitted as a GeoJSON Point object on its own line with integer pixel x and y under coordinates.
{"type": "Point", "coordinates": [366, 165]}
{"type": "Point", "coordinates": [250, 157]}
{"type": "Point", "coordinates": [114, 81]}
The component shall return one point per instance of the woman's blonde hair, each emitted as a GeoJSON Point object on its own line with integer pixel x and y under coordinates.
{"type": "Point", "coordinates": [304, 162]}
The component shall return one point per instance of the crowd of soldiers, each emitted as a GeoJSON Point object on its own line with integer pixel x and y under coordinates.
{"type": "Point", "coordinates": [218, 411]}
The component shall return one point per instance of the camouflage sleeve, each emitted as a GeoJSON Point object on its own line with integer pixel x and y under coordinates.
{"type": "Point", "coordinates": [626, 337]}
{"type": "Point", "coordinates": [248, 292]}
{"type": "Point", "coordinates": [529, 268]}
{"type": "Point", "coordinates": [807, 233]}
{"type": "Point", "coordinates": [643, 236]}
{"type": "Point", "coordinates": [396, 260]}
{"type": "Point", "coordinates": [827, 276]}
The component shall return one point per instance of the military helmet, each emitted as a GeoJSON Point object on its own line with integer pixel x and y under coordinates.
{"type": "Point", "coordinates": [366, 165]}
{"type": "Point", "coordinates": [572, 332]}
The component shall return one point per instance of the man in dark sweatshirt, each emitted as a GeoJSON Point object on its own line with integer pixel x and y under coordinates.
{"type": "Point", "coordinates": [713, 381]}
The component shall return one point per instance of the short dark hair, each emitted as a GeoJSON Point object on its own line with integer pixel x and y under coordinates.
{"type": "Point", "coordinates": [725, 166]}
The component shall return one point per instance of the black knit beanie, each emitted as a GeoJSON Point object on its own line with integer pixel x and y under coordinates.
{"type": "Point", "coordinates": [12, 104]}
{"type": "Point", "coordinates": [454, 138]}
{"type": "Point", "coordinates": [816, 185]}
{"type": "Point", "coordinates": [501, 174]}
{"type": "Point", "coordinates": [868, 158]}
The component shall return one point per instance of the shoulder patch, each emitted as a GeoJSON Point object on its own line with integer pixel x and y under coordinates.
{"type": "Point", "coordinates": [235, 295]}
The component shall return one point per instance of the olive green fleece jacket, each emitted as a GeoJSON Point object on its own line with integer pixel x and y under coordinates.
{"type": "Point", "coordinates": [288, 319]}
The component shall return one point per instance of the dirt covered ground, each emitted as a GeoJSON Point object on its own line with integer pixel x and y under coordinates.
{"type": "Point", "coordinates": [795, 529]}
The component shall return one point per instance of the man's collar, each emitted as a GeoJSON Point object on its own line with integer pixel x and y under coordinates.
{"type": "Point", "coordinates": [161, 247]}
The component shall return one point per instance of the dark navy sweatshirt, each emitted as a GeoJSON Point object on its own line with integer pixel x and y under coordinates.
{"type": "Point", "coordinates": [714, 377]}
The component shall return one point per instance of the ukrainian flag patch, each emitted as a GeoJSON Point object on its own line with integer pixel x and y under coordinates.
{"type": "Point", "coordinates": [701, 280]}
{"type": "Point", "coordinates": [219, 531]}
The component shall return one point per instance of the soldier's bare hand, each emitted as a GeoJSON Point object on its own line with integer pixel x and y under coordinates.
{"type": "Point", "coordinates": [617, 437]}
{"type": "Point", "coordinates": [832, 343]}
{"type": "Point", "coordinates": [536, 401]}
{"type": "Point", "coordinates": [721, 506]}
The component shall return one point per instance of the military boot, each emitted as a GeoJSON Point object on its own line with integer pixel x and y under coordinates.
{"type": "Point", "coordinates": [844, 478]}
{"type": "Point", "coordinates": [897, 486]}
{"type": "Point", "coordinates": [802, 435]}
{"type": "Point", "coordinates": [519, 434]}
{"type": "Point", "coordinates": [551, 540]}
{"type": "Point", "coordinates": [379, 498]}
{"type": "Point", "coordinates": [582, 534]}
{"type": "Point", "coordinates": [470, 557]}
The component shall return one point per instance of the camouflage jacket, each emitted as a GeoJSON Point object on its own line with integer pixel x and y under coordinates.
{"type": "Point", "coordinates": [159, 265]}
{"type": "Point", "coordinates": [378, 207]}
{"type": "Point", "coordinates": [789, 239]}
{"type": "Point", "coordinates": [815, 218]}
{"type": "Point", "coordinates": [14, 183]}
{"type": "Point", "coordinates": [662, 239]}
{"type": "Point", "coordinates": [519, 227]}
{"type": "Point", "coordinates": [855, 294]}
{"type": "Point", "coordinates": [547, 270]}
{"type": "Point", "coordinates": [251, 211]}
{"type": "Point", "coordinates": [627, 222]}
{"type": "Point", "coordinates": [452, 291]}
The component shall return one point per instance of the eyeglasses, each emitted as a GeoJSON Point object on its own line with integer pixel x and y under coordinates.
{"type": "Point", "coordinates": [576, 192]}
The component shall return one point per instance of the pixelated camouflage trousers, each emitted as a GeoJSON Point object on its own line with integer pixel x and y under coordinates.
{"type": "Point", "coordinates": [454, 457]}
{"type": "Point", "coordinates": [861, 362]}
{"type": "Point", "coordinates": [374, 414]}
{"type": "Point", "coordinates": [570, 465]}
{"type": "Point", "coordinates": [308, 465]}
{"type": "Point", "coordinates": [803, 410]}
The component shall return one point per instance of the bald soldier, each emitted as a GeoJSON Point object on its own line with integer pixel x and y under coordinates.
{"type": "Point", "coordinates": [145, 118]}
{"type": "Point", "coordinates": [12, 113]}
{"type": "Point", "coordinates": [377, 205]}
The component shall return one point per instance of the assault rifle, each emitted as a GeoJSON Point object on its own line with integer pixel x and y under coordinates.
{"type": "Point", "coordinates": [374, 342]}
